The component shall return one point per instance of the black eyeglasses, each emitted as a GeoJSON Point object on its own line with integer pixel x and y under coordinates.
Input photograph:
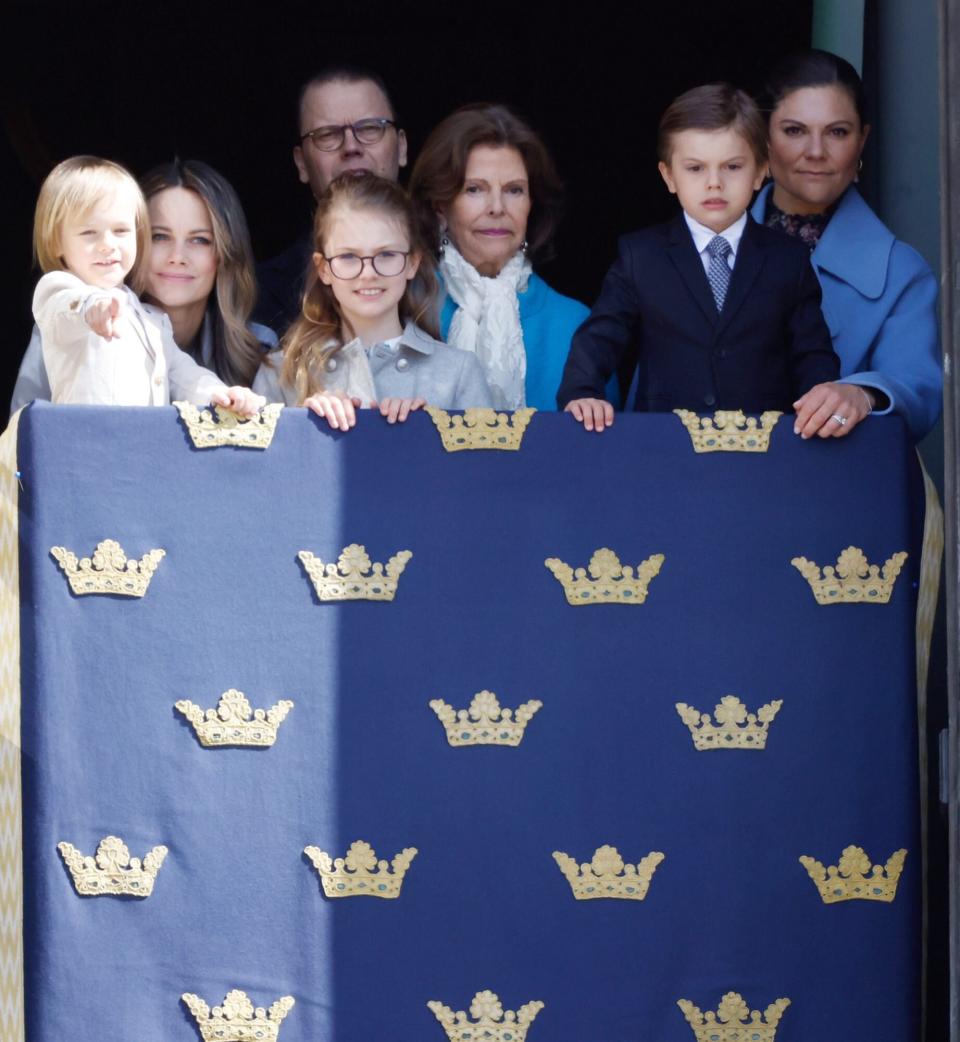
{"type": "Point", "coordinates": [386, 263]}
{"type": "Point", "coordinates": [365, 132]}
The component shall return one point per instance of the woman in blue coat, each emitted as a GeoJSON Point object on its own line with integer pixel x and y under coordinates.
{"type": "Point", "coordinates": [879, 295]}
{"type": "Point", "coordinates": [489, 199]}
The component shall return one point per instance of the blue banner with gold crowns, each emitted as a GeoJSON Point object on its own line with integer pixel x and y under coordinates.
{"type": "Point", "coordinates": [593, 764]}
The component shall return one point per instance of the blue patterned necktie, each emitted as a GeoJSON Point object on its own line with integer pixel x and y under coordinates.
{"type": "Point", "coordinates": [718, 273]}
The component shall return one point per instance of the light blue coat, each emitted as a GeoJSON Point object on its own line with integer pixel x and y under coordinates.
{"type": "Point", "coordinates": [880, 302]}
{"type": "Point", "coordinates": [548, 320]}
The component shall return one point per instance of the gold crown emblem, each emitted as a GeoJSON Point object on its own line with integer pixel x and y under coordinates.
{"type": "Point", "coordinates": [107, 570]}
{"type": "Point", "coordinates": [207, 432]}
{"type": "Point", "coordinates": [236, 1020]}
{"type": "Point", "coordinates": [485, 723]}
{"type": "Point", "coordinates": [855, 879]}
{"type": "Point", "coordinates": [853, 581]}
{"type": "Point", "coordinates": [480, 428]}
{"type": "Point", "coordinates": [353, 577]}
{"type": "Point", "coordinates": [729, 430]}
{"type": "Point", "coordinates": [113, 871]}
{"type": "Point", "coordinates": [359, 874]}
{"type": "Point", "coordinates": [607, 875]}
{"type": "Point", "coordinates": [610, 582]}
{"type": "Point", "coordinates": [734, 1021]}
{"type": "Point", "coordinates": [735, 727]}
{"type": "Point", "coordinates": [233, 722]}
{"type": "Point", "coordinates": [490, 1022]}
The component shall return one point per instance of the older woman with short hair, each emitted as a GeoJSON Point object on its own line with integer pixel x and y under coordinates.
{"type": "Point", "coordinates": [879, 295]}
{"type": "Point", "coordinates": [490, 199]}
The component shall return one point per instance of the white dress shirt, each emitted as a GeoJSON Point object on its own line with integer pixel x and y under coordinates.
{"type": "Point", "coordinates": [702, 236]}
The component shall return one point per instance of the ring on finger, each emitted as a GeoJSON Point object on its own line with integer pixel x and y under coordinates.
{"type": "Point", "coordinates": [842, 420]}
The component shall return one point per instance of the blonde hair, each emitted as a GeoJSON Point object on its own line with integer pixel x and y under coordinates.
{"type": "Point", "coordinates": [72, 189]}
{"type": "Point", "coordinates": [317, 335]}
{"type": "Point", "coordinates": [237, 353]}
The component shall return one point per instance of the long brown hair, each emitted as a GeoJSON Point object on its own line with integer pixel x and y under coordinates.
{"type": "Point", "coordinates": [237, 353]}
{"type": "Point", "coordinates": [317, 335]}
{"type": "Point", "coordinates": [440, 170]}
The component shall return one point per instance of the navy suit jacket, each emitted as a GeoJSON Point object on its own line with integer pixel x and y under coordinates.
{"type": "Point", "coordinates": [768, 345]}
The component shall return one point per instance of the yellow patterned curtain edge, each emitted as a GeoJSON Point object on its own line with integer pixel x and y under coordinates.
{"type": "Point", "coordinates": [931, 562]}
{"type": "Point", "coordinates": [11, 865]}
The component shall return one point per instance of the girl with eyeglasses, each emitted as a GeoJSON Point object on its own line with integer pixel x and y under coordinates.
{"type": "Point", "coordinates": [366, 335]}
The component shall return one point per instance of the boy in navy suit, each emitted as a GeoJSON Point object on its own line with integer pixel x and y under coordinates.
{"type": "Point", "coordinates": [713, 309]}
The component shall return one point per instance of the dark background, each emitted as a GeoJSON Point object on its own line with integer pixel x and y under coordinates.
{"type": "Point", "coordinates": [140, 84]}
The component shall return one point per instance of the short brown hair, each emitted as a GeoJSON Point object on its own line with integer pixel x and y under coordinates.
{"type": "Point", "coordinates": [714, 106]}
{"type": "Point", "coordinates": [440, 170]}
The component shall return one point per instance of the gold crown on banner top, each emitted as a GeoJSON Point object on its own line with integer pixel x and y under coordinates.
{"type": "Point", "coordinates": [359, 874]}
{"type": "Point", "coordinates": [607, 875]}
{"type": "Point", "coordinates": [227, 428]}
{"type": "Point", "coordinates": [353, 577]}
{"type": "Point", "coordinates": [610, 581]}
{"type": "Point", "coordinates": [729, 430]}
{"type": "Point", "coordinates": [735, 727]}
{"type": "Point", "coordinates": [485, 723]}
{"type": "Point", "coordinates": [734, 1021]}
{"type": "Point", "coordinates": [480, 428]}
{"type": "Point", "coordinates": [853, 580]}
{"type": "Point", "coordinates": [107, 570]}
{"type": "Point", "coordinates": [855, 878]}
{"type": "Point", "coordinates": [490, 1022]}
{"type": "Point", "coordinates": [112, 871]}
{"type": "Point", "coordinates": [233, 722]}
{"type": "Point", "coordinates": [236, 1020]}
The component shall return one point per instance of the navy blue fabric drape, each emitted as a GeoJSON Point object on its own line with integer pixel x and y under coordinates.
{"type": "Point", "coordinates": [607, 760]}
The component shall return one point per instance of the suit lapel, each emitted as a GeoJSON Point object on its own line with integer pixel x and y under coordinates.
{"type": "Point", "coordinates": [688, 263]}
{"type": "Point", "coordinates": [745, 271]}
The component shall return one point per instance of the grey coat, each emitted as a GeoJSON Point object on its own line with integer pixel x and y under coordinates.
{"type": "Point", "coordinates": [416, 367]}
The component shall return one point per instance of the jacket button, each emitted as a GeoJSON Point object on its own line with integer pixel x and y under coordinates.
{"type": "Point", "coordinates": [158, 380]}
{"type": "Point", "coordinates": [709, 400]}
{"type": "Point", "coordinates": [331, 365]}
{"type": "Point", "coordinates": [722, 353]}
{"type": "Point", "coordinates": [402, 364]}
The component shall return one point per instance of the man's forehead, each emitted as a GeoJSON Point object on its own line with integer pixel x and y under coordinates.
{"type": "Point", "coordinates": [342, 101]}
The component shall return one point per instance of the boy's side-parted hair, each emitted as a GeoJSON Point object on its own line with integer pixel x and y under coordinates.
{"type": "Point", "coordinates": [71, 190]}
{"type": "Point", "coordinates": [236, 351]}
{"type": "Point", "coordinates": [316, 336]}
{"type": "Point", "coordinates": [714, 106]}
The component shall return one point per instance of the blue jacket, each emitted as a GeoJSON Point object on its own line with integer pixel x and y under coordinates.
{"type": "Point", "coordinates": [548, 320]}
{"type": "Point", "coordinates": [880, 302]}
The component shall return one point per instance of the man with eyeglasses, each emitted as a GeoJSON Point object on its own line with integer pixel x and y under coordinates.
{"type": "Point", "coordinates": [346, 122]}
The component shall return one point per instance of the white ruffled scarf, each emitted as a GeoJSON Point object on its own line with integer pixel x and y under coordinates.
{"type": "Point", "coordinates": [487, 321]}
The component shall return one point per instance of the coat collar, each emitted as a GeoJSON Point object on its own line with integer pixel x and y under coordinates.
{"type": "Point", "coordinates": [417, 339]}
{"type": "Point", "coordinates": [855, 246]}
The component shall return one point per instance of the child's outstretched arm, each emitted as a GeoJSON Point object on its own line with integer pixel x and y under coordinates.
{"type": "Point", "coordinates": [66, 308]}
